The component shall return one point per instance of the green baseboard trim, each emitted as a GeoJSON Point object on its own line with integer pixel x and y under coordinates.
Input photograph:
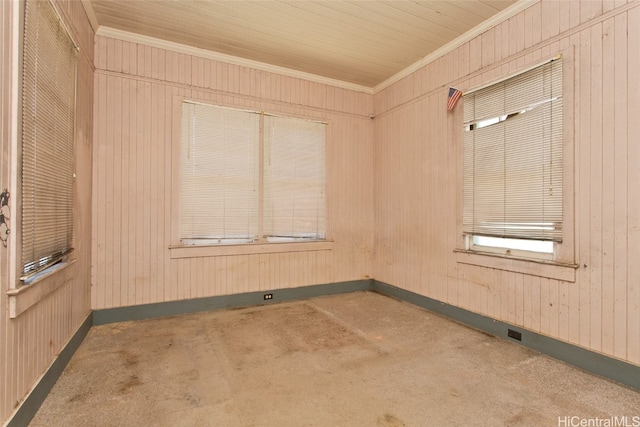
{"type": "Point", "coordinates": [27, 410]}
{"type": "Point", "coordinates": [596, 363]}
{"type": "Point", "coordinates": [249, 299]}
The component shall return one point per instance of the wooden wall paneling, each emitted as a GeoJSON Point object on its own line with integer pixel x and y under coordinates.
{"type": "Point", "coordinates": [148, 209]}
{"type": "Point", "coordinates": [554, 19]}
{"type": "Point", "coordinates": [528, 27]}
{"type": "Point", "coordinates": [574, 13]}
{"type": "Point", "coordinates": [421, 118]}
{"type": "Point", "coordinates": [111, 52]}
{"type": "Point", "coordinates": [595, 310]}
{"type": "Point", "coordinates": [263, 273]}
{"type": "Point", "coordinates": [518, 298]}
{"type": "Point", "coordinates": [509, 284]}
{"type": "Point", "coordinates": [29, 342]}
{"type": "Point", "coordinates": [545, 305]}
{"type": "Point", "coordinates": [137, 204]}
{"type": "Point", "coordinates": [513, 34]}
{"type": "Point", "coordinates": [527, 301]}
{"type": "Point", "coordinates": [563, 310]}
{"type": "Point", "coordinates": [633, 156]}
{"type": "Point", "coordinates": [536, 24]}
{"type": "Point", "coordinates": [6, 41]}
{"type": "Point", "coordinates": [519, 31]}
{"type": "Point", "coordinates": [148, 275]}
{"type": "Point", "coordinates": [571, 80]}
{"type": "Point", "coordinates": [155, 230]}
{"type": "Point", "coordinates": [554, 307]}
{"type": "Point", "coordinates": [132, 198]}
{"type": "Point", "coordinates": [107, 172]}
{"type": "Point", "coordinates": [182, 282]}
{"type": "Point", "coordinates": [608, 5]}
{"type": "Point", "coordinates": [118, 57]}
{"type": "Point", "coordinates": [419, 211]}
{"type": "Point", "coordinates": [595, 8]}
{"type": "Point", "coordinates": [620, 188]}
{"type": "Point", "coordinates": [115, 187]}
{"type": "Point", "coordinates": [583, 159]}
{"type": "Point", "coordinates": [294, 264]}
{"type": "Point", "coordinates": [564, 10]}
{"type": "Point", "coordinates": [197, 268]}
{"type": "Point", "coordinates": [99, 182]}
{"type": "Point", "coordinates": [100, 52]}
{"type": "Point", "coordinates": [126, 64]}
{"type": "Point", "coordinates": [487, 41]}
{"type": "Point", "coordinates": [608, 186]}
{"type": "Point", "coordinates": [166, 198]}
{"type": "Point", "coordinates": [595, 208]}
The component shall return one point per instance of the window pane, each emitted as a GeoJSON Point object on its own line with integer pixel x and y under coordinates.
{"type": "Point", "coordinates": [513, 157]}
{"type": "Point", "coordinates": [294, 179]}
{"type": "Point", "coordinates": [48, 108]}
{"type": "Point", "coordinates": [519, 244]}
{"type": "Point", "coordinates": [218, 174]}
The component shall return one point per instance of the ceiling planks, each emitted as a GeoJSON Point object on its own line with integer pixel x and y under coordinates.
{"type": "Point", "coordinates": [360, 42]}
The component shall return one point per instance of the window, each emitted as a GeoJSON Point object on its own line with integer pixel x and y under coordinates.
{"type": "Point", "coordinates": [250, 177]}
{"type": "Point", "coordinates": [513, 164]}
{"type": "Point", "coordinates": [48, 110]}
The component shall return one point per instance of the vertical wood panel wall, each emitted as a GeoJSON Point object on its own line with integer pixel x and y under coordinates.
{"type": "Point", "coordinates": [135, 89]}
{"type": "Point", "coordinates": [30, 342]}
{"type": "Point", "coordinates": [418, 186]}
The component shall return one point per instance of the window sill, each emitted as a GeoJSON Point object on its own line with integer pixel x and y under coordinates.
{"type": "Point", "coordinates": [248, 249]}
{"type": "Point", "coordinates": [541, 268]}
{"type": "Point", "coordinates": [39, 287]}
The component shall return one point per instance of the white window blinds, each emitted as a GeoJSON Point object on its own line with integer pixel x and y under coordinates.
{"type": "Point", "coordinates": [218, 175]}
{"type": "Point", "coordinates": [513, 157]}
{"type": "Point", "coordinates": [294, 177]}
{"type": "Point", "coordinates": [250, 177]}
{"type": "Point", "coordinates": [48, 107]}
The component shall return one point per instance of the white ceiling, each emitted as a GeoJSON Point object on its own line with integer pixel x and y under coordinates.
{"type": "Point", "coordinates": [364, 42]}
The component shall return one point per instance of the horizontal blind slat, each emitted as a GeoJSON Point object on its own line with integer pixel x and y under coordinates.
{"type": "Point", "coordinates": [48, 109]}
{"type": "Point", "coordinates": [512, 183]}
{"type": "Point", "coordinates": [218, 173]}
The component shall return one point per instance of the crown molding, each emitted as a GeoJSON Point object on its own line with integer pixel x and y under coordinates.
{"type": "Point", "coordinates": [215, 56]}
{"type": "Point", "coordinates": [91, 14]}
{"type": "Point", "coordinates": [496, 19]}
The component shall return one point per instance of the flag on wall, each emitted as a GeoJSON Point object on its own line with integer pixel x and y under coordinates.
{"type": "Point", "coordinates": [454, 95]}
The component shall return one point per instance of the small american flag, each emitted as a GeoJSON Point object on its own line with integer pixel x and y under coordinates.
{"type": "Point", "coordinates": [454, 95]}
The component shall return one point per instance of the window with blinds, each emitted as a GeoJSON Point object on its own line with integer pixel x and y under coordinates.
{"type": "Point", "coordinates": [513, 161]}
{"type": "Point", "coordinates": [48, 111]}
{"type": "Point", "coordinates": [294, 191]}
{"type": "Point", "coordinates": [249, 177]}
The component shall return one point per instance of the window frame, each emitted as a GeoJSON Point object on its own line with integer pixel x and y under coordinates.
{"type": "Point", "coordinates": [561, 264]}
{"type": "Point", "coordinates": [58, 261]}
{"type": "Point", "coordinates": [180, 250]}
{"type": "Point", "coordinates": [22, 295]}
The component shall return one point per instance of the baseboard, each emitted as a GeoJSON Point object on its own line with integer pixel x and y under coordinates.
{"type": "Point", "coordinates": [596, 363]}
{"type": "Point", "coordinates": [30, 405]}
{"type": "Point", "coordinates": [172, 308]}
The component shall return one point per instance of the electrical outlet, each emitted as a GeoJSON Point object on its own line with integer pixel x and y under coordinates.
{"type": "Point", "coordinates": [514, 334]}
{"type": "Point", "coordinates": [268, 296]}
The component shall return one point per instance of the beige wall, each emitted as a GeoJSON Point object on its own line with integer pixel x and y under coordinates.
{"type": "Point", "coordinates": [418, 180]}
{"type": "Point", "coordinates": [137, 90]}
{"type": "Point", "coordinates": [51, 310]}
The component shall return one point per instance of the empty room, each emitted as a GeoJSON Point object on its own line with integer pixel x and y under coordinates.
{"type": "Point", "coordinates": [320, 213]}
